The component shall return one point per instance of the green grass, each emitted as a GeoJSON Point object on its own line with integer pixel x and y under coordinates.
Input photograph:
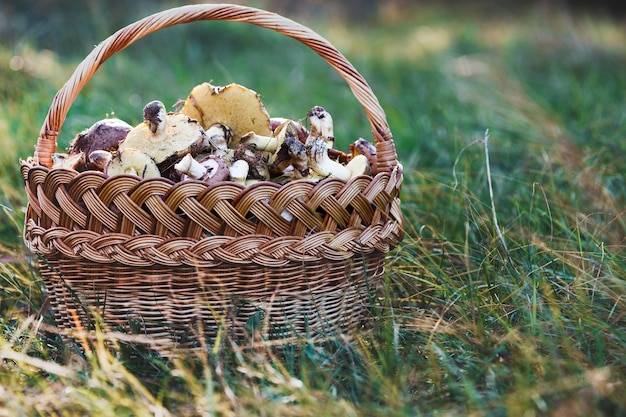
{"type": "Point", "coordinates": [506, 297]}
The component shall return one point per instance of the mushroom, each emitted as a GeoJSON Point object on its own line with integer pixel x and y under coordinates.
{"type": "Point", "coordinates": [359, 165]}
{"type": "Point", "coordinates": [99, 160]}
{"type": "Point", "coordinates": [363, 147]}
{"type": "Point", "coordinates": [165, 137]}
{"type": "Point", "coordinates": [233, 105]}
{"type": "Point", "coordinates": [320, 162]}
{"type": "Point", "coordinates": [217, 137]}
{"type": "Point", "coordinates": [105, 134]}
{"type": "Point", "coordinates": [154, 115]}
{"type": "Point", "coordinates": [272, 143]}
{"type": "Point", "coordinates": [339, 156]}
{"type": "Point", "coordinates": [279, 162]}
{"type": "Point", "coordinates": [287, 148]}
{"type": "Point", "coordinates": [262, 143]}
{"type": "Point", "coordinates": [321, 125]}
{"type": "Point", "coordinates": [298, 157]}
{"type": "Point", "coordinates": [239, 171]}
{"type": "Point", "coordinates": [74, 161]}
{"type": "Point", "coordinates": [190, 168]}
{"type": "Point", "coordinates": [258, 168]}
{"type": "Point", "coordinates": [134, 162]}
{"type": "Point", "coordinates": [216, 143]}
{"type": "Point", "coordinates": [277, 123]}
{"type": "Point", "coordinates": [210, 169]}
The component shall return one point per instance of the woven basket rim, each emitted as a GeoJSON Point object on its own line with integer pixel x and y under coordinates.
{"type": "Point", "coordinates": [54, 240]}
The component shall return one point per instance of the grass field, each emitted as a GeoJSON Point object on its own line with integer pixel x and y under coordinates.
{"type": "Point", "coordinates": [506, 296]}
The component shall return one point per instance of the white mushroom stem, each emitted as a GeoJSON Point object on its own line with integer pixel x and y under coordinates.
{"type": "Point", "coordinates": [190, 167]}
{"type": "Point", "coordinates": [210, 169]}
{"type": "Point", "coordinates": [321, 123]}
{"type": "Point", "coordinates": [263, 143]}
{"type": "Point", "coordinates": [217, 137]}
{"type": "Point", "coordinates": [258, 168]}
{"type": "Point", "coordinates": [359, 165]}
{"type": "Point", "coordinates": [321, 163]}
{"type": "Point", "coordinates": [239, 171]}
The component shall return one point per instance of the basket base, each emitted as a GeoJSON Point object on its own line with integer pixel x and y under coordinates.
{"type": "Point", "coordinates": [190, 306]}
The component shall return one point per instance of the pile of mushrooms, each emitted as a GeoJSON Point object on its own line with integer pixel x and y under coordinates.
{"type": "Point", "coordinates": [219, 134]}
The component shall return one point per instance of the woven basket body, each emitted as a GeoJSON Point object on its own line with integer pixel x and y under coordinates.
{"type": "Point", "coordinates": [180, 261]}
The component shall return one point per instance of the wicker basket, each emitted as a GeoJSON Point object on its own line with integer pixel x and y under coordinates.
{"type": "Point", "coordinates": [176, 261]}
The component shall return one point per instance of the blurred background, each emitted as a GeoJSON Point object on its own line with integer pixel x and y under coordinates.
{"type": "Point", "coordinates": [444, 71]}
{"type": "Point", "coordinates": [71, 27]}
{"type": "Point", "coordinates": [521, 328]}
{"type": "Point", "coordinates": [432, 64]}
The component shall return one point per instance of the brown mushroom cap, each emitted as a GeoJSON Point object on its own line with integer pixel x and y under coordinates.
{"type": "Point", "coordinates": [216, 169]}
{"type": "Point", "coordinates": [235, 106]}
{"type": "Point", "coordinates": [105, 134]}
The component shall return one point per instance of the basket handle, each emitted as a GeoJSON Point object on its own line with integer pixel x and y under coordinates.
{"type": "Point", "coordinates": [47, 141]}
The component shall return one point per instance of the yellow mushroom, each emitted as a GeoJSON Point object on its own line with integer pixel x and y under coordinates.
{"type": "Point", "coordinates": [165, 137]}
{"type": "Point", "coordinates": [134, 162]}
{"type": "Point", "coordinates": [233, 105]}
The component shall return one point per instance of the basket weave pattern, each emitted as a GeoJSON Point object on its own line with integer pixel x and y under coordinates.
{"type": "Point", "coordinates": [179, 260]}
